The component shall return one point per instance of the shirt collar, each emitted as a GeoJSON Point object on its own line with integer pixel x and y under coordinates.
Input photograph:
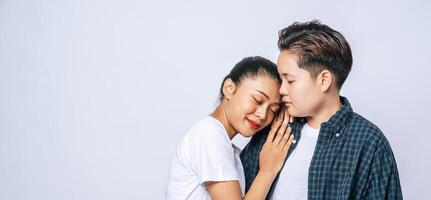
{"type": "Point", "coordinates": [340, 119]}
{"type": "Point", "coordinates": [336, 123]}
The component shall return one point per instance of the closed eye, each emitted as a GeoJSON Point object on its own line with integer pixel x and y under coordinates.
{"type": "Point", "coordinates": [274, 109]}
{"type": "Point", "coordinates": [256, 101]}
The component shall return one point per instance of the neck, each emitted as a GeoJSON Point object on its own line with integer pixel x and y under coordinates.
{"type": "Point", "coordinates": [325, 112]}
{"type": "Point", "coordinates": [220, 115]}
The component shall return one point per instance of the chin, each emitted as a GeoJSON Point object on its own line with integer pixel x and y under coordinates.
{"type": "Point", "coordinates": [246, 135]}
{"type": "Point", "coordinates": [247, 132]}
{"type": "Point", "coordinates": [294, 113]}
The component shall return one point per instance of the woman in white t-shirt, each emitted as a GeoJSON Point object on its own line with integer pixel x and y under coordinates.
{"type": "Point", "coordinates": [207, 165]}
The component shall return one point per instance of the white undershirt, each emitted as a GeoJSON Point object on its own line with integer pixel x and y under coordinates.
{"type": "Point", "coordinates": [293, 181]}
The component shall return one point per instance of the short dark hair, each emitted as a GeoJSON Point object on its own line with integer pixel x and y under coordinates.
{"type": "Point", "coordinates": [318, 47]}
{"type": "Point", "coordinates": [251, 67]}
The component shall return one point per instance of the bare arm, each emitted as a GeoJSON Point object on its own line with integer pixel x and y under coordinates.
{"type": "Point", "coordinates": [231, 189]}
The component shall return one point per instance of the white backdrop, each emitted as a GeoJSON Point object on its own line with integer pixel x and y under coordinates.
{"type": "Point", "coordinates": [96, 94]}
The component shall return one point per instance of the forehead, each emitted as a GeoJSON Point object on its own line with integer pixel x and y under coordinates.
{"type": "Point", "coordinates": [262, 83]}
{"type": "Point", "coordinates": [287, 63]}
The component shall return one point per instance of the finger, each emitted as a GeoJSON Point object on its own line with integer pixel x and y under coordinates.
{"type": "Point", "coordinates": [289, 142]}
{"type": "Point", "coordinates": [285, 137]}
{"type": "Point", "coordinates": [288, 131]}
{"type": "Point", "coordinates": [274, 121]}
{"type": "Point", "coordinates": [286, 115]}
{"type": "Point", "coordinates": [281, 114]}
{"type": "Point", "coordinates": [280, 132]}
{"type": "Point", "coordinates": [274, 128]}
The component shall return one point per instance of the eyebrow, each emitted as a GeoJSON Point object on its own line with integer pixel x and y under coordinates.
{"type": "Point", "coordinates": [263, 93]}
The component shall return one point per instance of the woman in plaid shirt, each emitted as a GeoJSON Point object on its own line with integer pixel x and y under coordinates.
{"type": "Point", "coordinates": [338, 154]}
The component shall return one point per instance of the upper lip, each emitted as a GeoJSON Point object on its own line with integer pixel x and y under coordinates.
{"type": "Point", "coordinates": [285, 101]}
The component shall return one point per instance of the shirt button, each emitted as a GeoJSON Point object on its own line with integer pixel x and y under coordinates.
{"type": "Point", "coordinates": [293, 141]}
{"type": "Point", "coordinates": [337, 135]}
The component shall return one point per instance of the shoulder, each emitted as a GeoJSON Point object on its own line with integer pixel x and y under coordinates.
{"type": "Point", "coordinates": [206, 132]}
{"type": "Point", "coordinates": [366, 133]}
{"type": "Point", "coordinates": [209, 128]}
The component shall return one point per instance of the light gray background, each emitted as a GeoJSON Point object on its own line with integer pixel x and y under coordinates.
{"type": "Point", "coordinates": [96, 95]}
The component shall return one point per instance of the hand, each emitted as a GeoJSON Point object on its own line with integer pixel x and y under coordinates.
{"type": "Point", "coordinates": [274, 151]}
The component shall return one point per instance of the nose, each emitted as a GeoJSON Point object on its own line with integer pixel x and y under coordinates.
{"type": "Point", "coordinates": [283, 88]}
{"type": "Point", "coordinates": [261, 112]}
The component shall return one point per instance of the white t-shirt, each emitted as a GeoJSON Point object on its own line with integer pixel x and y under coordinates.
{"type": "Point", "coordinates": [205, 154]}
{"type": "Point", "coordinates": [293, 181]}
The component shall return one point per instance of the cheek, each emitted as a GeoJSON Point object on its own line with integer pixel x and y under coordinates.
{"type": "Point", "coordinates": [297, 94]}
{"type": "Point", "coordinates": [310, 100]}
{"type": "Point", "coordinates": [269, 118]}
{"type": "Point", "coordinates": [244, 107]}
{"type": "Point", "coordinates": [302, 98]}
{"type": "Point", "coordinates": [248, 106]}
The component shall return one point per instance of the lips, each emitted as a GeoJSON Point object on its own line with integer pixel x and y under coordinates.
{"type": "Point", "coordinates": [253, 124]}
{"type": "Point", "coordinates": [287, 103]}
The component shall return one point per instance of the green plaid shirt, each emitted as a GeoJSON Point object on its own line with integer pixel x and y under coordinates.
{"type": "Point", "coordinates": [352, 159]}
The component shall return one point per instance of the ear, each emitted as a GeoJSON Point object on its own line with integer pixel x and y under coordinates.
{"type": "Point", "coordinates": [229, 88]}
{"type": "Point", "coordinates": [325, 79]}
